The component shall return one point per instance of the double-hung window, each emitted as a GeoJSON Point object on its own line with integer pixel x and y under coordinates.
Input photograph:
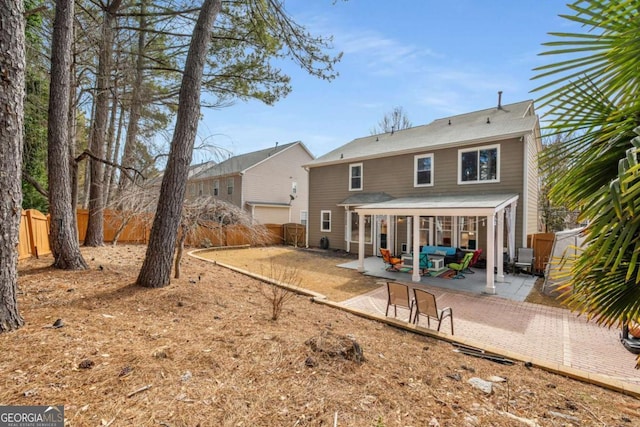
{"type": "Point", "coordinates": [443, 230]}
{"type": "Point", "coordinates": [355, 177]}
{"type": "Point", "coordinates": [216, 187]}
{"type": "Point", "coordinates": [229, 185]}
{"type": "Point", "coordinates": [325, 221]}
{"type": "Point", "coordinates": [423, 170]}
{"type": "Point", "coordinates": [479, 165]}
{"type": "Point", "coordinates": [468, 232]}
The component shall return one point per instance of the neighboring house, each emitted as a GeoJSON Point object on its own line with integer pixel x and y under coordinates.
{"type": "Point", "coordinates": [468, 181]}
{"type": "Point", "coordinates": [270, 184]}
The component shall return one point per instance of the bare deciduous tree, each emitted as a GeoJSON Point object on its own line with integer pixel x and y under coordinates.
{"type": "Point", "coordinates": [12, 91]}
{"type": "Point", "coordinates": [392, 122]}
{"type": "Point", "coordinates": [205, 214]}
{"type": "Point", "coordinates": [278, 292]}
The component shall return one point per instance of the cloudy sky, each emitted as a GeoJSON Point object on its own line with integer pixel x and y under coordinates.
{"type": "Point", "coordinates": [433, 58]}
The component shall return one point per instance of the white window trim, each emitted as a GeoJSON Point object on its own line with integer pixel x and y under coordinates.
{"type": "Point", "coordinates": [415, 170]}
{"type": "Point", "coordinates": [322, 221]}
{"type": "Point", "coordinates": [477, 149]}
{"type": "Point", "coordinates": [351, 166]}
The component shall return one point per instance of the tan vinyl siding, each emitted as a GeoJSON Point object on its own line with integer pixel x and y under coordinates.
{"type": "Point", "coordinates": [328, 187]}
{"type": "Point", "coordinates": [533, 189]}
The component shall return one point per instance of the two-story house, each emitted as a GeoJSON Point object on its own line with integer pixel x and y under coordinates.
{"type": "Point", "coordinates": [270, 184]}
{"type": "Point", "coordinates": [467, 181]}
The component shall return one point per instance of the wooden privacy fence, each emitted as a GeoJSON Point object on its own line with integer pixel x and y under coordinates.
{"type": "Point", "coordinates": [34, 232]}
{"type": "Point", "coordinates": [133, 228]}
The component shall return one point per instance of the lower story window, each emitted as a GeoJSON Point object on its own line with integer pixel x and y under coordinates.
{"type": "Point", "coordinates": [325, 221]}
{"type": "Point", "coordinates": [443, 231]}
{"type": "Point", "coordinates": [469, 232]}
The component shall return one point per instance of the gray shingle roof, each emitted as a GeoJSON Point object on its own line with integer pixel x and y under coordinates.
{"type": "Point", "coordinates": [242, 162]}
{"type": "Point", "coordinates": [491, 124]}
{"type": "Point", "coordinates": [365, 198]}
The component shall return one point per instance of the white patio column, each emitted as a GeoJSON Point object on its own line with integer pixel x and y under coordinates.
{"type": "Point", "coordinates": [416, 248]}
{"type": "Point", "coordinates": [431, 240]}
{"type": "Point", "coordinates": [391, 235]}
{"type": "Point", "coordinates": [347, 227]}
{"type": "Point", "coordinates": [360, 243]}
{"type": "Point", "coordinates": [491, 254]}
{"type": "Point", "coordinates": [512, 230]}
{"type": "Point", "coordinates": [500, 247]}
{"type": "Point", "coordinates": [408, 233]}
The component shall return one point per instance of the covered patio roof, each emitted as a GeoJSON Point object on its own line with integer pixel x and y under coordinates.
{"type": "Point", "coordinates": [491, 206]}
{"type": "Point", "coordinates": [443, 205]}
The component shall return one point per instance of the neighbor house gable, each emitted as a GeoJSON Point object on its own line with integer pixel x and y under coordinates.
{"type": "Point", "coordinates": [271, 183]}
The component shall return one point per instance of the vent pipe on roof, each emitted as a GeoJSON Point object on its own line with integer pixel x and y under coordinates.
{"type": "Point", "coordinates": [499, 100]}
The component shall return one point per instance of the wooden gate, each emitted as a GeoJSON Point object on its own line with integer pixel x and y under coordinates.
{"type": "Point", "coordinates": [542, 244]}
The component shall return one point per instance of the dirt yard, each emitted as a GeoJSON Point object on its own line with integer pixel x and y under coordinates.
{"type": "Point", "coordinates": [205, 352]}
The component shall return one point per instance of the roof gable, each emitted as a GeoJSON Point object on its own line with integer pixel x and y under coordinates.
{"type": "Point", "coordinates": [240, 163]}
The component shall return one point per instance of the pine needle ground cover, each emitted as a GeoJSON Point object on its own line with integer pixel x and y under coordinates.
{"type": "Point", "coordinates": [204, 351]}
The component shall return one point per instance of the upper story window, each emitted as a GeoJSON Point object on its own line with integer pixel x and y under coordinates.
{"type": "Point", "coordinates": [355, 176]}
{"type": "Point", "coordinates": [423, 170]}
{"type": "Point", "coordinates": [480, 164]}
{"type": "Point", "coordinates": [229, 185]}
{"type": "Point", "coordinates": [216, 187]}
{"type": "Point", "coordinates": [294, 187]}
{"type": "Point", "coordinates": [325, 221]}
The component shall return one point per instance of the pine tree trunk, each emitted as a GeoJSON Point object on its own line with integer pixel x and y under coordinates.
{"type": "Point", "coordinates": [97, 145]}
{"type": "Point", "coordinates": [62, 234]}
{"type": "Point", "coordinates": [12, 92]}
{"type": "Point", "coordinates": [136, 101]}
{"type": "Point", "coordinates": [156, 268]}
